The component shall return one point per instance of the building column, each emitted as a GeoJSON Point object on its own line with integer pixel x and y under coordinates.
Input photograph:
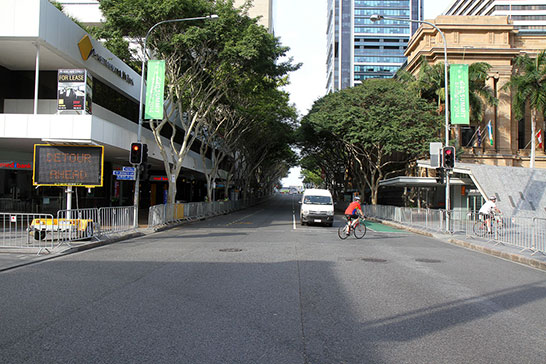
{"type": "Point", "coordinates": [36, 78]}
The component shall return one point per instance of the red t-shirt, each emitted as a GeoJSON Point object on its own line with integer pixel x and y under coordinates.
{"type": "Point", "coordinates": [353, 206]}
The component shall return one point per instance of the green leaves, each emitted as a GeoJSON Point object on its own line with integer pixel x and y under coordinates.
{"type": "Point", "coordinates": [381, 125]}
{"type": "Point", "coordinates": [528, 84]}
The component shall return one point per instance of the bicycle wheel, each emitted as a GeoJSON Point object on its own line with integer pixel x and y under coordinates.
{"type": "Point", "coordinates": [360, 231]}
{"type": "Point", "coordinates": [342, 232]}
{"type": "Point", "coordinates": [480, 228]}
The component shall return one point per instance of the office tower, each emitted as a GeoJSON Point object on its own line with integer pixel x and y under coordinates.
{"type": "Point", "coordinates": [528, 16]}
{"type": "Point", "coordinates": [358, 49]}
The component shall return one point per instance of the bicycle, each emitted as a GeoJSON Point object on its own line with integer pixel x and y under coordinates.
{"type": "Point", "coordinates": [497, 226]}
{"type": "Point", "coordinates": [357, 227]}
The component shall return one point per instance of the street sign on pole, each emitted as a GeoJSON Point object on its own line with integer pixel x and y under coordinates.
{"type": "Point", "coordinates": [126, 174]}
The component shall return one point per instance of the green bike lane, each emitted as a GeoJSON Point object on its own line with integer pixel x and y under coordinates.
{"type": "Point", "coordinates": [381, 228]}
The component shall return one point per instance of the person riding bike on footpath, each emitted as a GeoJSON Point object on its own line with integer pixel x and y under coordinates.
{"type": "Point", "coordinates": [354, 210]}
{"type": "Point", "coordinates": [488, 210]}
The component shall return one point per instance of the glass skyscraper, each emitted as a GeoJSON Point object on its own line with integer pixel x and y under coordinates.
{"type": "Point", "coordinates": [358, 49]}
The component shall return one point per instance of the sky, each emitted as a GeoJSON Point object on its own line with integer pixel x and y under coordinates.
{"type": "Point", "coordinates": [301, 25]}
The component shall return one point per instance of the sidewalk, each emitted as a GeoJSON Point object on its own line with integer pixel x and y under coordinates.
{"type": "Point", "coordinates": [11, 258]}
{"type": "Point", "coordinates": [500, 250]}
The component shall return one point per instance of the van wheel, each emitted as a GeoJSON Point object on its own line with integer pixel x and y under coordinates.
{"type": "Point", "coordinates": [39, 235]}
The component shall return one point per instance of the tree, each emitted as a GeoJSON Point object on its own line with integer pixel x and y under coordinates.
{"type": "Point", "coordinates": [203, 63]}
{"type": "Point", "coordinates": [529, 88]}
{"type": "Point", "coordinates": [322, 154]}
{"type": "Point", "coordinates": [382, 126]}
{"type": "Point", "coordinates": [479, 92]}
{"type": "Point", "coordinates": [265, 154]}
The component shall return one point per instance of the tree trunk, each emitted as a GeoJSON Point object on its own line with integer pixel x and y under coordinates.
{"type": "Point", "coordinates": [374, 191]}
{"type": "Point", "coordinates": [171, 194]}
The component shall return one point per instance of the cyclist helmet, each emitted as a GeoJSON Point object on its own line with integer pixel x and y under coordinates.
{"type": "Point", "coordinates": [357, 198]}
{"type": "Point", "coordinates": [493, 198]}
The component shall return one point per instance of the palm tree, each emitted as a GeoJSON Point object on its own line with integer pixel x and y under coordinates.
{"type": "Point", "coordinates": [528, 88]}
{"type": "Point", "coordinates": [430, 82]}
{"type": "Point", "coordinates": [479, 92]}
{"type": "Point", "coordinates": [430, 85]}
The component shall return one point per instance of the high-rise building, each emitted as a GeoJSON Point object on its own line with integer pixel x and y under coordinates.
{"type": "Point", "coordinates": [262, 9]}
{"type": "Point", "coordinates": [358, 49]}
{"type": "Point", "coordinates": [528, 16]}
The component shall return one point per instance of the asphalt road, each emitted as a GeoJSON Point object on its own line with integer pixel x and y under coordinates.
{"type": "Point", "coordinates": [257, 287]}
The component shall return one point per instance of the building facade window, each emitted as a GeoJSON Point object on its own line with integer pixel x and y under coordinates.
{"type": "Point", "coordinates": [367, 49]}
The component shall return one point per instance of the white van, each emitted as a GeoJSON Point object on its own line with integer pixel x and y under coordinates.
{"type": "Point", "coordinates": [317, 206]}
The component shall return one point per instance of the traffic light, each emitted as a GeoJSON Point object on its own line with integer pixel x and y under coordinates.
{"type": "Point", "coordinates": [135, 156]}
{"type": "Point", "coordinates": [448, 157]}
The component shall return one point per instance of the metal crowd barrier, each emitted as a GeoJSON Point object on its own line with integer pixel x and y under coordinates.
{"type": "Point", "coordinates": [529, 234]}
{"type": "Point", "coordinates": [22, 230]}
{"type": "Point", "coordinates": [168, 213]}
{"type": "Point", "coordinates": [428, 219]}
{"type": "Point", "coordinates": [74, 225]}
{"type": "Point", "coordinates": [522, 232]}
{"type": "Point", "coordinates": [116, 219]}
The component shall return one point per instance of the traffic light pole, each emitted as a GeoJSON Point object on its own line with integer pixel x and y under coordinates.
{"type": "Point", "coordinates": [377, 17]}
{"type": "Point", "coordinates": [141, 103]}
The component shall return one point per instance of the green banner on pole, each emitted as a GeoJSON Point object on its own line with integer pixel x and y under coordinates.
{"type": "Point", "coordinates": [155, 88]}
{"type": "Point", "coordinates": [460, 107]}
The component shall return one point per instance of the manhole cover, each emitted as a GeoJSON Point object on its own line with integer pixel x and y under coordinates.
{"type": "Point", "coordinates": [231, 250]}
{"type": "Point", "coordinates": [424, 260]}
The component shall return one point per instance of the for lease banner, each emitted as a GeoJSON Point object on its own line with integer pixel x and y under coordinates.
{"type": "Point", "coordinates": [74, 90]}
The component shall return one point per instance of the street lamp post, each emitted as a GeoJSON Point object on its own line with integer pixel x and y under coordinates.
{"type": "Point", "coordinates": [377, 17]}
{"type": "Point", "coordinates": [141, 104]}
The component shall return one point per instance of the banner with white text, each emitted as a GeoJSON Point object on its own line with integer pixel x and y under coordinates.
{"type": "Point", "coordinates": [458, 82]}
{"type": "Point", "coordinates": [155, 87]}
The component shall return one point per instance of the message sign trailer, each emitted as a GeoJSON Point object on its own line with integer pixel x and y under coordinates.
{"type": "Point", "coordinates": [62, 165]}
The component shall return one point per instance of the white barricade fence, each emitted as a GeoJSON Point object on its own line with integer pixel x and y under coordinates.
{"type": "Point", "coordinates": [421, 217]}
{"type": "Point", "coordinates": [525, 233]}
{"type": "Point", "coordinates": [115, 219]}
{"type": "Point", "coordinates": [22, 230]}
{"type": "Point", "coordinates": [76, 224]}
{"type": "Point", "coordinates": [539, 238]}
{"type": "Point", "coordinates": [168, 213]}
{"type": "Point", "coordinates": [522, 232]}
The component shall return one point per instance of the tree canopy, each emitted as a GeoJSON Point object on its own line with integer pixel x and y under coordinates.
{"type": "Point", "coordinates": [381, 126]}
{"type": "Point", "coordinates": [214, 68]}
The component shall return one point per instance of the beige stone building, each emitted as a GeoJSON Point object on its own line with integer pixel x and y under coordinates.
{"type": "Point", "coordinates": [491, 39]}
{"type": "Point", "coordinates": [260, 8]}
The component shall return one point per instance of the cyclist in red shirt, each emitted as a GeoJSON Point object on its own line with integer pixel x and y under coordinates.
{"type": "Point", "coordinates": [354, 209]}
